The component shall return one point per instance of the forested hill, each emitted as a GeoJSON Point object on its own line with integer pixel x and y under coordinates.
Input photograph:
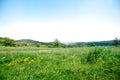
{"type": "Point", "coordinates": [30, 41]}
{"type": "Point", "coordinates": [4, 41]}
{"type": "Point", "coordinates": [97, 43]}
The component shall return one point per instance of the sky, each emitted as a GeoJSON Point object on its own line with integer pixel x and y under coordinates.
{"type": "Point", "coordinates": [66, 20]}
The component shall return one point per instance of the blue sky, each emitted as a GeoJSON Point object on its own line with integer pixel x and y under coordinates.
{"type": "Point", "coordinates": [67, 20]}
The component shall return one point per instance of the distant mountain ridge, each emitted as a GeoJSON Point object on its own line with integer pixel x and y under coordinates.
{"type": "Point", "coordinates": [97, 43]}
{"type": "Point", "coordinates": [30, 41]}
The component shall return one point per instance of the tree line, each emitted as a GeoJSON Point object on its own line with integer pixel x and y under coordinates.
{"type": "Point", "coordinates": [5, 41]}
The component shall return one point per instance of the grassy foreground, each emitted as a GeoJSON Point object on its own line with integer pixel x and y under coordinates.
{"type": "Point", "coordinates": [85, 63]}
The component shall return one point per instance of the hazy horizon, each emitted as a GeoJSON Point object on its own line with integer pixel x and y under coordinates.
{"type": "Point", "coordinates": [66, 20]}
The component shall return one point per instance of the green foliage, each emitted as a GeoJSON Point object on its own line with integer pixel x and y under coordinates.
{"type": "Point", "coordinates": [116, 42]}
{"type": "Point", "coordinates": [59, 63]}
{"type": "Point", "coordinates": [56, 43]}
{"type": "Point", "coordinates": [37, 45]}
{"type": "Point", "coordinates": [7, 42]}
{"type": "Point", "coordinates": [21, 44]}
{"type": "Point", "coordinates": [94, 55]}
{"type": "Point", "coordinates": [72, 45]}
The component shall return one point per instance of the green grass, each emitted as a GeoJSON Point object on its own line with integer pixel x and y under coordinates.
{"type": "Point", "coordinates": [85, 63]}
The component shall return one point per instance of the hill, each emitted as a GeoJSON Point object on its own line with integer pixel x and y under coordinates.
{"type": "Point", "coordinates": [97, 43]}
{"type": "Point", "coordinates": [30, 41]}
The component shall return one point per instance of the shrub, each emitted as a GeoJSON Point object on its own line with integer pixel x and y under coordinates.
{"type": "Point", "coordinates": [96, 54]}
{"type": "Point", "coordinates": [7, 42]}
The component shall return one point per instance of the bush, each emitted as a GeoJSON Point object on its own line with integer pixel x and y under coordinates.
{"type": "Point", "coordinates": [96, 54]}
{"type": "Point", "coordinates": [7, 42]}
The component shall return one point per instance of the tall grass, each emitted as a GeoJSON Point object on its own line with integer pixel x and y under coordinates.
{"type": "Point", "coordinates": [86, 63]}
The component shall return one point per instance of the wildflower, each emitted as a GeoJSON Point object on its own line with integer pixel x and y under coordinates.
{"type": "Point", "coordinates": [26, 59]}
{"type": "Point", "coordinates": [94, 77]}
{"type": "Point", "coordinates": [12, 63]}
{"type": "Point", "coordinates": [31, 61]}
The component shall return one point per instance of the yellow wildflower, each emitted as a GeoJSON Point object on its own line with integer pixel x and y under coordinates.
{"type": "Point", "coordinates": [26, 59]}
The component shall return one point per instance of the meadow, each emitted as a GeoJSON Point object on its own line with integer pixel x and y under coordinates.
{"type": "Point", "coordinates": [83, 63]}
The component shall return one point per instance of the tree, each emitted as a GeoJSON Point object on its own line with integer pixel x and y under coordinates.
{"type": "Point", "coordinates": [37, 45]}
{"type": "Point", "coordinates": [56, 43]}
{"type": "Point", "coordinates": [116, 42]}
{"type": "Point", "coordinates": [7, 42]}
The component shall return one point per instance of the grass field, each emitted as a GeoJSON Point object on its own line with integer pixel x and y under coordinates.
{"type": "Point", "coordinates": [84, 63]}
